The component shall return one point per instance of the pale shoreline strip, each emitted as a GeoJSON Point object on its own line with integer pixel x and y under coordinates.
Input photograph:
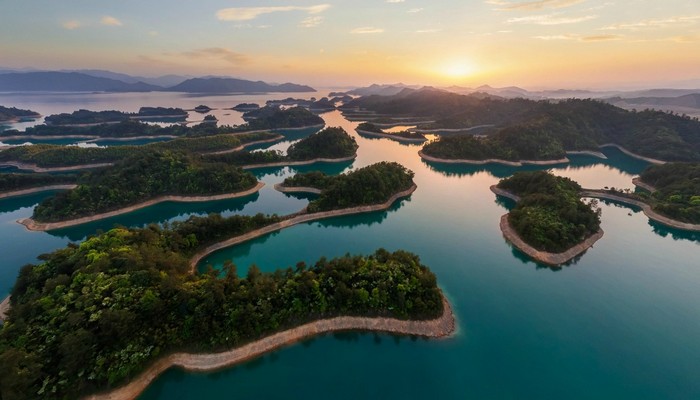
{"type": "Point", "coordinates": [298, 128]}
{"type": "Point", "coordinates": [294, 221]}
{"type": "Point", "coordinates": [646, 209]}
{"type": "Point", "coordinates": [453, 130]}
{"type": "Point", "coordinates": [518, 163]}
{"type": "Point", "coordinates": [390, 136]}
{"type": "Point", "coordinates": [591, 153]}
{"type": "Point", "coordinates": [38, 226]}
{"type": "Point", "coordinates": [441, 327]}
{"type": "Point", "coordinates": [501, 192]}
{"type": "Point", "coordinates": [244, 145]}
{"type": "Point", "coordinates": [553, 259]}
{"type": "Point", "coordinates": [48, 137]}
{"type": "Point", "coordinates": [296, 189]}
{"type": "Point", "coordinates": [638, 182]}
{"type": "Point", "coordinates": [36, 168]}
{"type": "Point", "coordinates": [629, 153]}
{"type": "Point", "coordinates": [36, 190]}
{"type": "Point", "coordinates": [297, 163]}
{"type": "Point", "coordinates": [4, 308]}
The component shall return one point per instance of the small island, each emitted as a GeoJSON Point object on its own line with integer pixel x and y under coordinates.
{"type": "Point", "coordinates": [274, 117]}
{"type": "Point", "coordinates": [370, 129]}
{"type": "Point", "coordinates": [138, 182]}
{"type": "Point", "coordinates": [246, 107]}
{"type": "Point", "coordinates": [12, 114]}
{"type": "Point", "coordinates": [328, 145]}
{"type": "Point", "coordinates": [550, 223]}
{"type": "Point", "coordinates": [86, 117]}
{"type": "Point", "coordinates": [203, 109]}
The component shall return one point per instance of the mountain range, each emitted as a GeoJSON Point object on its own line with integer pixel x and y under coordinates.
{"type": "Point", "coordinates": [106, 81]}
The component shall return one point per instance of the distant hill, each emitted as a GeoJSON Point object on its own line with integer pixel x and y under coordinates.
{"type": "Point", "coordinates": [67, 82]}
{"type": "Point", "coordinates": [381, 90]}
{"type": "Point", "coordinates": [689, 100]}
{"type": "Point", "coordinates": [164, 81]}
{"type": "Point", "coordinates": [232, 85]}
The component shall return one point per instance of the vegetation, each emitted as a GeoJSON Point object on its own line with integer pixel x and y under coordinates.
{"type": "Point", "coordinates": [161, 112]}
{"type": "Point", "coordinates": [370, 127]}
{"type": "Point", "coordinates": [11, 181]}
{"type": "Point", "coordinates": [575, 124]}
{"type": "Point", "coordinates": [331, 143]}
{"type": "Point", "coordinates": [374, 184]}
{"type": "Point", "coordinates": [677, 190]}
{"type": "Point", "coordinates": [550, 215]}
{"type": "Point", "coordinates": [246, 107]}
{"type": "Point", "coordinates": [47, 156]}
{"type": "Point", "coordinates": [92, 316]}
{"type": "Point", "coordinates": [87, 117]}
{"type": "Point", "coordinates": [141, 178]}
{"type": "Point", "coordinates": [11, 113]}
{"type": "Point", "coordinates": [271, 117]}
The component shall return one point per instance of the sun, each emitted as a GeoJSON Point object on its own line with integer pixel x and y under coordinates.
{"type": "Point", "coordinates": [457, 70]}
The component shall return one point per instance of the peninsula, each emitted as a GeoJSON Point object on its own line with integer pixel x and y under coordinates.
{"type": "Point", "coordinates": [12, 114]}
{"type": "Point", "coordinates": [550, 223]}
{"type": "Point", "coordinates": [13, 184]}
{"type": "Point", "coordinates": [370, 129]}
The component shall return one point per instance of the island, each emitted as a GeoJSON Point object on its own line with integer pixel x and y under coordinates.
{"type": "Point", "coordinates": [573, 124]}
{"type": "Point", "coordinates": [550, 222]}
{"type": "Point", "coordinates": [109, 315]}
{"type": "Point", "coordinates": [87, 117]}
{"type": "Point", "coordinates": [13, 184]}
{"type": "Point", "coordinates": [52, 158]}
{"type": "Point", "coordinates": [273, 117]}
{"type": "Point", "coordinates": [140, 181]}
{"type": "Point", "coordinates": [246, 107]}
{"type": "Point", "coordinates": [328, 145]}
{"type": "Point", "coordinates": [12, 114]}
{"type": "Point", "coordinates": [202, 109]}
{"type": "Point", "coordinates": [370, 129]}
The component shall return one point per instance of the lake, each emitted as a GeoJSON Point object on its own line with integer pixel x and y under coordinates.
{"type": "Point", "coordinates": [622, 322]}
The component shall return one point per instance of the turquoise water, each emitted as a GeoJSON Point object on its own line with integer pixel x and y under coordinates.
{"type": "Point", "coordinates": [622, 322]}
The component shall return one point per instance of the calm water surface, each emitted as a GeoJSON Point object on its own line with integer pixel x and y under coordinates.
{"type": "Point", "coordinates": [622, 322]}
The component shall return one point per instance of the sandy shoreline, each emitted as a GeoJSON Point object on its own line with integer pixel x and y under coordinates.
{"type": "Point", "coordinates": [501, 192]}
{"type": "Point", "coordinates": [629, 153]}
{"type": "Point", "coordinates": [588, 153]}
{"type": "Point", "coordinates": [553, 259]}
{"type": "Point", "coordinates": [296, 163]}
{"type": "Point", "coordinates": [4, 308]}
{"type": "Point", "coordinates": [638, 182]}
{"type": "Point", "coordinates": [519, 163]}
{"type": "Point", "coordinates": [39, 226]}
{"type": "Point", "coordinates": [390, 136]}
{"type": "Point", "coordinates": [441, 327]}
{"type": "Point", "coordinates": [646, 209]}
{"type": "Point", "coordinates": [36, 190]}
{"type": "Point", "coordinates": [298, 219]}
{"type": "Point", "coordinates": [296, 189]}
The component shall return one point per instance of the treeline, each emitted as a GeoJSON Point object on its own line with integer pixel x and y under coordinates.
{"type": "Point", "coordinates": [10, 113]}
{"type": "Point", "coordinates": [678, 190]}
{"type": "Point", "coordinates": [271, 117]}
{"type": "Point", "coordinates": [331, 143]}
{"type": "Point", "coordinates": [550, 215]}
{"type": "Point", "coordinates": [92, 316]}
{"type": "Point", "coordinates": [141, 178]}
{"type": "Point", "coordinates": [100, 117]}
{"type": "Point", "coordinates": [370, 127]}
{"type": "Point", "coordinates": [123, 129]}
{"type": "Point", "coordinates": [47, 155]}
{"type": "Point", "coordinates": [374, 184]}
{"type": "Point", "coordinates": [12, 181]}
{"type": "Point", "coordinates": [575, 124]}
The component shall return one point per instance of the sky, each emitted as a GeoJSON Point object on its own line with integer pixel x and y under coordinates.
{"type": "Point", "coordinates": [536, 44]}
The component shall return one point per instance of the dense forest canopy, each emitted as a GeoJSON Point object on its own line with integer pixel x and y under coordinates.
{"type": "Point", "coordinates": [11, 113]}
{"type": "Point", "coordinates": [140, 178]}
{"type": "Point", "coordinates": [550, 215]}
{"type": "Point", "coordinates": [271, 117]}
{"type": "Point", "coordinates": [14, 181]}
{"type": "Point", "coordinates": [374, 184]}
{"type": "Point", "coordinates": [576, 124]}
{"type": "Point", "coordinates": [99, 117]}
{"type": "Point", "coordinates": [94, 315]}
{"type": "Point", "coordinates": [677, 190]}
{"type": "Point", "coordinates": [48, 155]}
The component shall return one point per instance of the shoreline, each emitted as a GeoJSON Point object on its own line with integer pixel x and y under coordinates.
{"type": "Point", "coordinates": [36, 168]}
{"type": "Point", "coordinates": [298, 128]}
{"type": "Point", "coordinates": [298, 219]}
{"type": "Point", "coordinates": [297, 163]}
{"type": "Point", "coordinates": [244, 145]}
{"type": "Point", "coordinates": [591, 153]}
{"type": "Point", "coordinates": [453, 130]}
{"type": "Point", "coordinates": [441, 327]}
{"type": "Point", "coordinates": [390, 136]}
{"type": "Point", "coordinates": [638, 182]}
{"type": "Point", "coordinates": [633, 155]}
{"type": "Point", "coordinates": [551, 259]}
{"type": "Point", "coordinates": [296, 189]}
{"type": "Point", "coordinates": [501, 192]}
{"type": "Point", "coordinates": [518, 163]}
{"type": "Point", "coordinates": [646, 209]}
{"type": "Point", "coordinates": [49, 137]}
{"type": "Point", "coordinates": [32, 225]}
{"type": "Point", "coordinates": [4, 308]}
{"type": "Point", "coordinates": [23, 192]}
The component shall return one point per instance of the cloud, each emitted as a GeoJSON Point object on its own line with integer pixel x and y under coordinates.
{"type": "Point", "coordinates": [414, 10]}
{"type": "Point", "coordinates": [395, 1]}
{"type": "Point", "coordinates": [70, 25]}
{"type": "Point", "coordinates": [532, 5]}
{"type": "Point", "coordinates": [110, 21]}
{"type": "Point", "coordinates": [366, 29]}
{"type": "Point", "coordinates": [570, 36]}
{"type": "Point", "coordinates": [428, 31]}
{"type": "Point", "coordinates": [550, 19]}
{"type": "Point", "coordinates": [311, 22]}
{"type": "Point", "coordinates": [248, 13]}
{"type": "Point", "coordinates": [656, 23]}
{"type": "Point", "coordinates": [600, 38]}
{"type": "Point", "coordinates": [217, 53]}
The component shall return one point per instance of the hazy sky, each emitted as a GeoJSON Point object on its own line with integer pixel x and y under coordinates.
{"type": "Point", "coordinates": [533, 43]}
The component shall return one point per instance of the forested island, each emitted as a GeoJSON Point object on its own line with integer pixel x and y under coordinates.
{"type": "Point", "coordinates": [371, 129]}
{"type": "Point", "coordinates": [140, 178]}
{"type": "Point", "coordinates": [373, 184]}
{"type": "Point", "coordinates": [677, 190]}
{"type": "Point", "coordinates": [87, 117]}
{"type": "Point", "coordinates": [12, 114]}
{"type": "Point", "coordinates": [328, 144]}
{"type": "Point", "coordinates": [273, 117]}
{"type": "Point", "coordinates": [572, 124]}
{"type": "Point", "coordinates": [49, 156]}
{"type": "Point", "coordinates": [550, 217]}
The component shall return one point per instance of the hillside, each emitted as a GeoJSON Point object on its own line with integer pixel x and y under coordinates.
{"type": "Point", "coordinates": [231, 85]}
